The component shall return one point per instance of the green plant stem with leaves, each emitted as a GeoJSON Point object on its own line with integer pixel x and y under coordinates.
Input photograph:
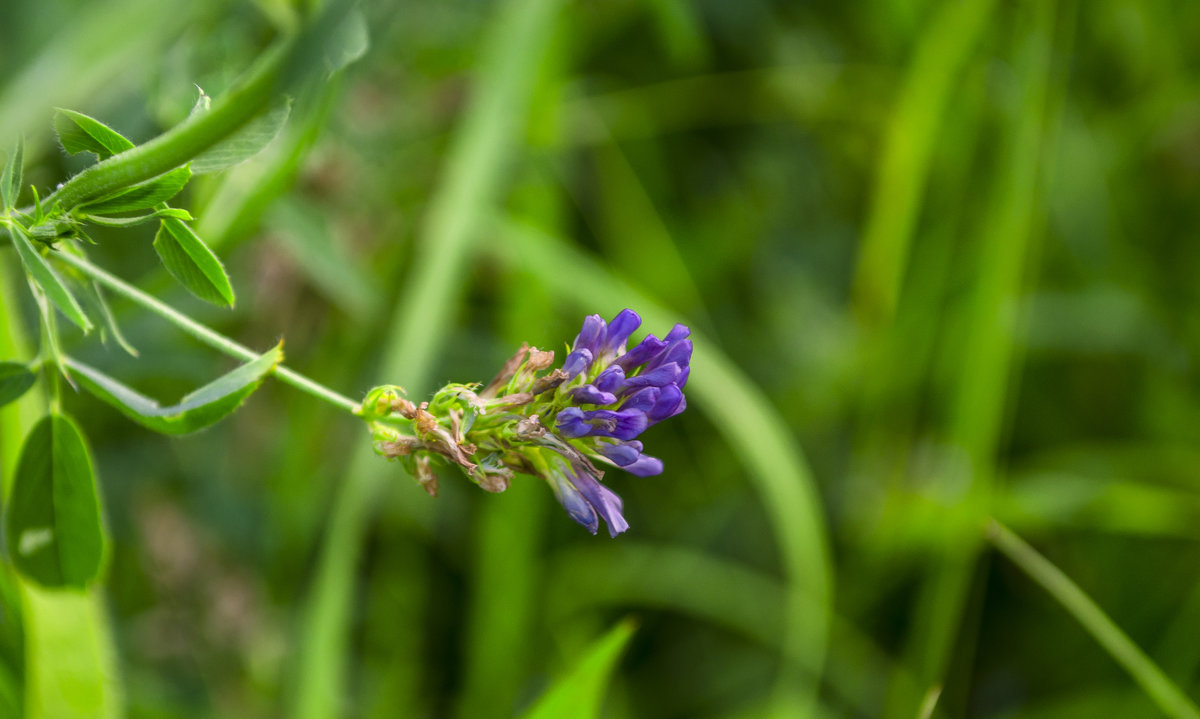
{"type": "Point", "coordinates": [213, 339]}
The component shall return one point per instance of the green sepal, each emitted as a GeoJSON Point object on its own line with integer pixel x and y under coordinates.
{"type": "Point", "coordinates": [141, 196]}
{"type": "Point", "coordinates": [47, 279]}
{"type": "Point", "coordinates": [15, 380]}
{"type": "Point", "coordinates": [200, 409]}
{"type": "Point", "coordinates": [79, 133]}
{"type": "Point", "coordinates": [192, 263]}
{"type": "Point", "coordinates": [52, 523]}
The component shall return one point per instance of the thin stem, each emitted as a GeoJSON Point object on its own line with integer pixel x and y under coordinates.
{"type": "Point", "coordinates": [204, 334]}
{"type": "Point", "coordinates": [1144, 671]}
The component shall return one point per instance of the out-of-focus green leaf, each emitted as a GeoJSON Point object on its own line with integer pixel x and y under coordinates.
{"type": "Point", "coordinates": [10, 181]}
{"type": "Point", "coordinates": [53, 519]}
{"type": "Point", "coordinates": [580, 693]}
{"type": "Point", "coordinates": [204, 407]}
{"type": "Point", "coordinates": [15, 379]}
{"type": "Point", "coordinates": [350, 43]}
{"type": "Point", "coordinates": [48, 280]}
{"type": "Point", "coordinates": [192, 263]}
{"type": "Point", "coordinates": [79, 133]}
{"type": "Point", "coordinates": [93, 297]}
{"type": "Point", "coordinates": [141, 196]}
{"type": "Point", "coordinates": [257, 134]}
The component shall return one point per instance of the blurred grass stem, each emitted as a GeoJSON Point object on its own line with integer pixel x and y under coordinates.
{"type": "Point", "coordinates": [1078, 604]}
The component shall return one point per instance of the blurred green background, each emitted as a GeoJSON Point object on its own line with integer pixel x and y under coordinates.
{"type": "Point", "coordinates": [940, 260]}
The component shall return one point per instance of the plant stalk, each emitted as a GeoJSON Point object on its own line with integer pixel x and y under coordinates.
{"type": "Point", "coordinates": [209, 337]}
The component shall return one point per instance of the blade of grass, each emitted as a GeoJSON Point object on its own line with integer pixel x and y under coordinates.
{"type": "Point", "coordinates": [483, 145]}
{"type": "Point", "coordinates": [1169, 697]}
{"type": "Point", "coordinates": [912, 135]}
{"type": "Point", "coordinates": [754, 430]}
{"type": "Point", "coordinates": [987, 359]}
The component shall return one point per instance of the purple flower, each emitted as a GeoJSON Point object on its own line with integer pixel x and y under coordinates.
{"type": "Point", "coordinates": [614, 394]}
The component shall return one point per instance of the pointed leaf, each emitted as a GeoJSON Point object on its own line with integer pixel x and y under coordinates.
{"type": "Point", "coordinates": [79, 133]}
{"type": "Point", "coordinates": [142, 196]}
{"type": "Point", "coordinates": [244, 144]}
{"type": "Point", "coordinates": [196, 411]}
{"type": "Point", "coordinates": [47, 279]}
{"type": "Point", "coordinates": [190, 262]}
{"type": "Point", "coordinates": [15, 379]}
{"type": "Point", "coordinates": [53, 520]}
{"type": "Point", "coordinates": [10, 181]}
{"type": "Point", "coordinates": [581, 692]}
{"type": "Point", "coordinates": [97, 306]}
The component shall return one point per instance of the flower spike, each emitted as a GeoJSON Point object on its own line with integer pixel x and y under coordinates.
{"type": "Point", "coordinates": [558, 424]}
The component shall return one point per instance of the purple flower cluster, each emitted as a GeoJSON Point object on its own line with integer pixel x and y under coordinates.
{"type": "Point", "coordinates": [611, 397]}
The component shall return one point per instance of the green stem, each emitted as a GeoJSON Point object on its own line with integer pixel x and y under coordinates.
{"type": "Point", "coordinates": [181, 143]}
{"type": "Point", "coordinates": [1154, 682]}
{"type": "Point", "coordinates": [204, 334]}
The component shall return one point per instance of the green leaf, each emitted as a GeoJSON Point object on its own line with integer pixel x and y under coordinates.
{"type": "Point", "coordinates": [204, 407]}
{"type": "Point", "coordinates": [580, 693]}
{"type": "Point", "coordinates": [46, 278]}
{"type": "Point", "coordinates": [93, 297]}
{"type": "Point", "coordinates": [53, 520]}
{"type": "Point", "coordinates": [123, 222]}
{"type": "Point", "coordinates": [10, 181]}
{"type": "Point", "coordinates": [15, 379]}
{"type": "Point", "coordinates": [142, 196]}
{"type": "Point", "coordinates": [190, 262]}
{"type": "Point", "coordinates": [79, 133]}
{"type": "Point", "coordinates": [244, 144]}
{"type": "Point", "coordinates": [349, 43]}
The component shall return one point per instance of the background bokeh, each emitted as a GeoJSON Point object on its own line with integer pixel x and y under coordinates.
{"type": "Point", "coordinates": [940, 260]}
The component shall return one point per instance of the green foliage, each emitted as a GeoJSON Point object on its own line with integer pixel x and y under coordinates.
{"type": "Point", "coordinates": [936, 260]}
{"type": "Point", "coordinates": [246, 143]}
{"type": "Point", "coordinates": [197, 410]}
{"type": "Point", "coordinates": [52, 520]}
{"type": "Point", "coordinates": [192, 263]}
{"type": "Point", "coordinates": [142, 196]}
{"type": "Point", "coordinates": [580, 693]}
{"type": "Point", "coordinates": [15, 380]}
{"type": "Point", "coordinates": [47, 279]}
{"type": "Point", "coordinates": [10, 180]}
{"type": "Point", "coordinates": [79, 133]}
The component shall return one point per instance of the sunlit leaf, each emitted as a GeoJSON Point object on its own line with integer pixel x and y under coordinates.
{"type": "Point", "coordinates": [53, 521]}
{"type": "Point", "coordinates": [142, 196]}
{"type": "Point", "coordinates": [246, 143]}
{"type": "Point", "coordinates": [48, 280]}
{"type": "Point", "coordinates": [10, 181]}
{"type": "Point", "coordinates": [580, 693]}
{"type": "Point", "coordinates": [198, 410]}
{"type": "Point", "coordinates": [15, 380]}
{"type": "Point", "coordinates": [79, 133]}
{"type": "Point", "coordinates": [190, 262]}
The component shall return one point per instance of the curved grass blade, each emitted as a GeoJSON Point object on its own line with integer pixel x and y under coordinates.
{"type": "Point", "coordinates": [46, 279]}
{"type": "Point", "coordinates": [192, 263]}
{"type": "Point", "coordinates": [79, 133]}
{"type": "Point", "coordinates": [580, 693]}
{"type": "Point", "coordinates": [202, 408]}
{"type": "Point", "coordinates": [142, 196]}
{"type": "Point", "coordinates": [15, 380]}
{"type": "Point", "coordinates": [53, 520]}
{"type": "Point", "coordinates": [1169, 697]}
